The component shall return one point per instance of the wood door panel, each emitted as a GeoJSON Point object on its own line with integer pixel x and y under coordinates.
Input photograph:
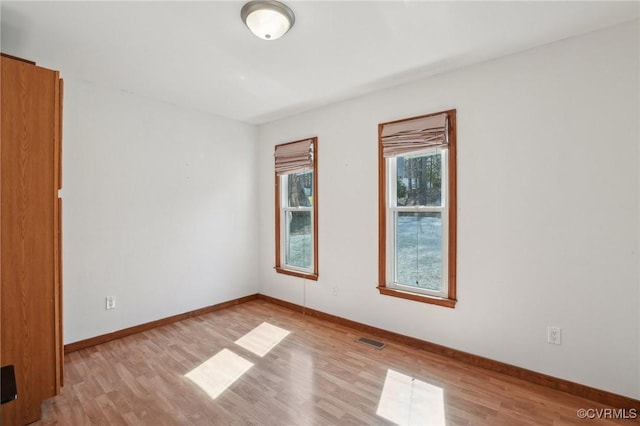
{"type": "Point", "coordinates": [28, 247]}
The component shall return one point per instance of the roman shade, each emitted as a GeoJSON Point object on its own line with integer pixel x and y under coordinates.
{"type": "Point", "coordinates": [414, 135]}
{"type": "Point", "coordinates": [294, 157]}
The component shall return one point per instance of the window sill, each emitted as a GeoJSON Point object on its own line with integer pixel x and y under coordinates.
{"type": "Point", "coordinates": [441, 301]}
{"type": "Point", "coordinates": [305, 275]}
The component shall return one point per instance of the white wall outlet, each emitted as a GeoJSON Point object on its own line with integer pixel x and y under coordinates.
{"type": "Point", "coordinates": [554, 335]}
{"type": "Point", "coordinates": [334, 291]}
{"type": "Point", "coordinates": [111, 302]}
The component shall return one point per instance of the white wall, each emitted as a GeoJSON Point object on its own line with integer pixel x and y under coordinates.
{"type": "Point", "coordinates": [548, 213]}
{"type": "Point", "coordinates": [155, 210]}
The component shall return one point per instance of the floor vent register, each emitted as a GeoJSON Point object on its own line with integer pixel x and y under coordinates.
{"type": "Point", "coordinates": [371, 342]}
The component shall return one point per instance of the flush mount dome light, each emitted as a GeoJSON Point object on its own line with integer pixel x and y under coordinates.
{"type": "Point", "coordinates": [267, 19]}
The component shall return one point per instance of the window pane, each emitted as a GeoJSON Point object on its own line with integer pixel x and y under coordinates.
{"type": "Point", "coordinates": [419, 179]}
{"type": "Point", "coordinates": [300, 189]}
{"type": "Point", "coordinates": [298, 239]}
{"type": "Point", "coordinates": [418, 250]}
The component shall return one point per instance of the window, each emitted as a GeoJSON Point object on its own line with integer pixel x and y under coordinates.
{"type": "Point", "coordinates": [417, 208]}
{"type": "Point", "coordinates": [297, 208]}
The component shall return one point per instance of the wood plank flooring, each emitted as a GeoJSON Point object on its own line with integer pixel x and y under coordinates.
{"type": "Point", "coordinates": [317, 374]}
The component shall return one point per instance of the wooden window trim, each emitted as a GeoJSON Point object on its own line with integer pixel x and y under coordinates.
{"type": "Point", "coordinates": [279, 265]}
{"type": "Point", "coordinates": [451, 300]}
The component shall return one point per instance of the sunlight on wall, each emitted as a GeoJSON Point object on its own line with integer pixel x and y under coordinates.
{"type": "Point", "coordinates": [262, 339]}
{"type": "Point", "coordinates": [219, 372]}
{"type": "Point", "coordinates": [408, 401]}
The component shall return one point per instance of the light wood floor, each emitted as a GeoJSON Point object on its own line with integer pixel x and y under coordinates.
{"type": "Point", "coordinates": [316, 375]}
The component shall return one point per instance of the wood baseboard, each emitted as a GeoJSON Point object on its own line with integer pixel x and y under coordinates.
{"type": "Point", "coordinates": [576, 389]}
{"type": "Point", "coordinates": [82, 344]}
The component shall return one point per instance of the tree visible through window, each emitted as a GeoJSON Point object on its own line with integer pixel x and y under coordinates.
{"type": "Point", "coordinates": [299, 239]}
{"type": "Point", "coordinates": [418, 248]}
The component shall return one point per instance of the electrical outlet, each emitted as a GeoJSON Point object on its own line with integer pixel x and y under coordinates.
{"type": "Point", "coordinates": [111, 302]}
{"type": "Point", "coordinates": [554, 335]}
{"type": "Point", "coordinates": [335, 291]}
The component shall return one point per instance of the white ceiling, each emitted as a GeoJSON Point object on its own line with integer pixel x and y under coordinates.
{"type": "Point", "coordinates": [200, 55]}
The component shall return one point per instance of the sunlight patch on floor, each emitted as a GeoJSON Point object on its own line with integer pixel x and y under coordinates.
{"type": "Point", "coordinates": [262, 339]}
{"type": "Point", "coordinates": [219, 372]}
{"type": "Point", "coordinates": [409, 401]}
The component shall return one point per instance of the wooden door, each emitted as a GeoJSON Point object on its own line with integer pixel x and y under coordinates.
{"type": "Point", "coordinates": [30, 298]}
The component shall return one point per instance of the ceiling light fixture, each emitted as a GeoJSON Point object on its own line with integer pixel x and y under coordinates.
{"type": "Point", "coordinates": [267, 19]}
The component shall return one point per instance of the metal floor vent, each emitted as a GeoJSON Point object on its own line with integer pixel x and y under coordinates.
{"type": "Point", "coordinates": [371, 342]}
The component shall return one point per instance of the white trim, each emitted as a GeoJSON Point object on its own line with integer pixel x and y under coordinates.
{"type": "Point", "coordinates": [284, 181]}
{"type": "Point", "coordinates": [392, 209]}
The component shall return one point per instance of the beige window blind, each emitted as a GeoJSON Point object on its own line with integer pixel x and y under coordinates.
{"type": "Point", "coordinates": [294, 157]}
{"type": "Point", "coordinates": [414, 135]}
